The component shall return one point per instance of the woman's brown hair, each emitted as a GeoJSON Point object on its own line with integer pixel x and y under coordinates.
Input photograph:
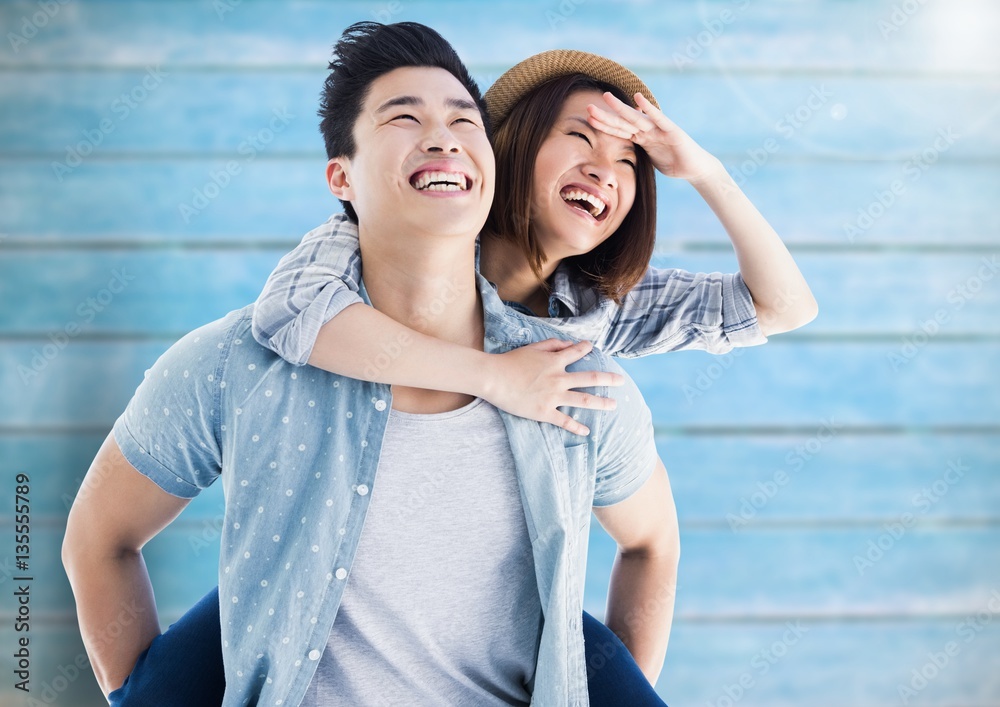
{"type": "Point", "coordinates": [616, 265]}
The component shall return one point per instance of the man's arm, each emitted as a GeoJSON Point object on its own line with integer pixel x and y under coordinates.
{"type": "Point", "coordinates": [640, 605]}
{"type": "Point", "coordinates": [310, 312]}
{"type": "Point", "coordinates": [116, 512]}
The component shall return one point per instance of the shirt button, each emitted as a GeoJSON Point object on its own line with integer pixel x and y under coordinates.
{"type": "Point", "coordinates": [380, 405]}
{"type": "Point", "coordinates": [362, 490]}
{"type": "Point", "coordinates": [314, 654]}
{"type": "Point", "coordinates": [341, 573]}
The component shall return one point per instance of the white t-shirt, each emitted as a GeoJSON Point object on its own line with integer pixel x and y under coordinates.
{"type": "Point", "coordinates": [441, 605]}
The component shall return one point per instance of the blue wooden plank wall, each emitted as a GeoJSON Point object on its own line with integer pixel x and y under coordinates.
{"type": "Point", "coordinates": [843, 480]}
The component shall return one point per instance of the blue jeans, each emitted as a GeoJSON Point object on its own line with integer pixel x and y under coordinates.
{"type": "Point", "coordinates": [183, 666]}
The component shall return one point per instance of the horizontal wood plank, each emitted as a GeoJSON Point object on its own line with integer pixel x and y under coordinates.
{"type": "Point", "coordinates": [272, 200]}
{"type": "Point", "coordinates": [167, 112]}
{"type": "Point", "coordinates": [808, 384]}
{"type": "Point", "coordinates": [703, 660]}
{"type": "Point", "coordinates": [795, 663]}
{"type": "Point", "coordinates": [894, 568]}
{"type": "Point", "coordinates": [831, 477]}
{"type": "Point", "coordinates": [56, 465]}
{"type": "Point", "coordinates": [711, 35]}
{"type": "Point", "coordinates": [156, 293]}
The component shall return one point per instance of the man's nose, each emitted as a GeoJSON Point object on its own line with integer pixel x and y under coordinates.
{"type": "Point", "coordinates": [440, 139]}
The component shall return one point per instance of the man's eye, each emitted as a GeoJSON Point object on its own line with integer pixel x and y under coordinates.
{"type": "Point", "coordinates": [405, 116]}
{"type": "Point", "coordinates": [581, 135]}
{"type": "Point", "coordinates": [465, 120]}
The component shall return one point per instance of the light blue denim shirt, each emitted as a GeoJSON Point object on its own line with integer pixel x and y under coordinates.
{"type": "Point", "coordinates": [669, 310]}
{"type": "Point", "coordinates": [297, 450]}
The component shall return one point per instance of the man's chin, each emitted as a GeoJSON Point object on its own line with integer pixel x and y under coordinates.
{"type": "Point", "coordinates": [451, 216]}
{"type": "Point", "coordinates": [436, 225]}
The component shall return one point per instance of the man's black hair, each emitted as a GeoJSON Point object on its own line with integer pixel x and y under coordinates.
{"type": "Point", "coordinates": [366, 51]}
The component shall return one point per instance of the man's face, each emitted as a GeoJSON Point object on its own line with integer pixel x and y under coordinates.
{"type": "Point", "coordinates": [423, 162]}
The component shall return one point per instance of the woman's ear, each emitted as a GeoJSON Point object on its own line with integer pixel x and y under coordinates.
{"type": "Point", "coordinates": [338, 178]}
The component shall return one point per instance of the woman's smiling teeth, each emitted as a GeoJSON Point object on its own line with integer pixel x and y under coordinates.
{"type": "Point", "coordinates": [440, 181]}
{"type": "Point", "coordinates": [584, 201]}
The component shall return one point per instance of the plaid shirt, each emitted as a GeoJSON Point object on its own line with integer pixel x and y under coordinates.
{"type": "Point", "coordinates": [669, 310]}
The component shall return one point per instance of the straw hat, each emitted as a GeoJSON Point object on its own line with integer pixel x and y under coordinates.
{"type": "Point", "coordinates": [520, 79]}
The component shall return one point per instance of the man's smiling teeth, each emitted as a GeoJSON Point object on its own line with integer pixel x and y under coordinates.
{"type": "Point", "coordinates": [596, 206]}
{"type": "Point", "coordinates": [440, 181]}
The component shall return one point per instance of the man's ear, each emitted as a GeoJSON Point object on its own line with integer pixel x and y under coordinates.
{"type": "Point", "coordinates": [338, 178]}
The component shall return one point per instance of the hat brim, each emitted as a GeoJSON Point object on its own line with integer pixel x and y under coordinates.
{"type": "Point", "coordinates": [527, 75]}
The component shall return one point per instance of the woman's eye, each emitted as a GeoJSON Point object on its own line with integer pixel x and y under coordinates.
{"type": "Point", "coordinates": [581, 135]}
{"type": "Point", "coordinates": [630, 163]}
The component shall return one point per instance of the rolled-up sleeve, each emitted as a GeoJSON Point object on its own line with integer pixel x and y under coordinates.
{"type": "Point", "coordinates": [310, 286]}
{"type": "Point", "coordinates": [673, 310]}
{"type": "Point", "coordinates": [170, 430]}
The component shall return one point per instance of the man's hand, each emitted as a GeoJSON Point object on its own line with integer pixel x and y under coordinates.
{"type": "Point", "coordinates": [532, 382]}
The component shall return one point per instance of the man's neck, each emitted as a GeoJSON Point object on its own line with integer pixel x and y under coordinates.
{"type": "Point", "coordinates": [503, 263]}
{"type": "Point", "coordinates": [431, 288]}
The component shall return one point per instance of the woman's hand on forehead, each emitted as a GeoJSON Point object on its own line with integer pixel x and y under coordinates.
{"type": "Point", "coordinates": [672, 151]}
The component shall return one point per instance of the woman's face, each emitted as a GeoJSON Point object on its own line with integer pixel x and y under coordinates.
{"type": "Point", "coordinates": [584, 182]}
